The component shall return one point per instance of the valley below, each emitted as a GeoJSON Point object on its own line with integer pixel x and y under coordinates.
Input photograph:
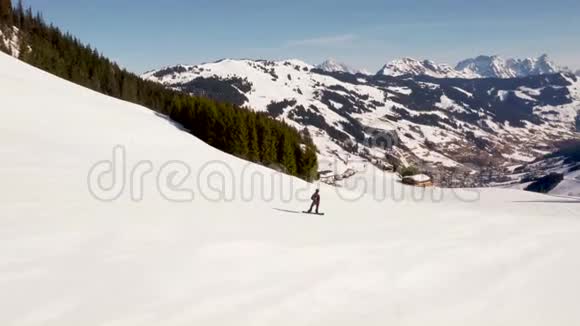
{"type": "Point", "coordinates": [463, 132]}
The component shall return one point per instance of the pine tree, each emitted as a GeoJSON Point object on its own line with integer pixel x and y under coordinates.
{"type": "Point", "coordinates": [128, 90]}
{"type": "Point", "coordinates": [6, 13]}
{"type": "Point", "coordinates": [19, 13]}
{"type": "Point", "coordinates": [267, 141]}
{"type": "Point", "coordinates": [286, 153]}
{"type": "Point", "coordinates": [240, 135]}
{"type": "Point", "coordinates": [307, 163]}
{"type": "Point", "coordinates": [253, 144]}
{"type": "Point", "coordinates": [5, 23]}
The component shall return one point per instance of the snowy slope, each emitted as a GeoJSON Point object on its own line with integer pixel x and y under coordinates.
{"type": "Point", "coordinates": [493, 257]}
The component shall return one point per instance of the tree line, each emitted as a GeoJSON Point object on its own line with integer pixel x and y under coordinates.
{"type": "Point", "coordinates": [239, 131]}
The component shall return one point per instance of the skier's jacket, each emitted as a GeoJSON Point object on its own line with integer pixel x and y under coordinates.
{"type": "Point", "coordinates": [315, 197]}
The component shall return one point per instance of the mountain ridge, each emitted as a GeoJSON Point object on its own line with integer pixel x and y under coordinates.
{"type": "Point", "coordinates": [445, 122]}
{"type": "Point", "coordinates": [482, 66]}
{"type": "Point", "coordinates": [409, 66]}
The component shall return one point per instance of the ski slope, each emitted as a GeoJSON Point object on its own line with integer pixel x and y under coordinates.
{"type": "Point", "coordinates": [382, 254]}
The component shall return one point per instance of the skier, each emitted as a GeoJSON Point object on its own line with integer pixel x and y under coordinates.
{"type": "Point", "coordinates": [315, 201]}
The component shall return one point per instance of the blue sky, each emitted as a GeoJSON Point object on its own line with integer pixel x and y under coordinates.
{"type": "Point", "coordinates": [143, 35]}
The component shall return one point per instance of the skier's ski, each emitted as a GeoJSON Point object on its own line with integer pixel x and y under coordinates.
{"type": "Point", "coordinates": [313, 213]}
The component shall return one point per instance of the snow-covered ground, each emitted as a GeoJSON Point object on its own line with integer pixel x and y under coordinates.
{"type": "Point", "coordinates": [155, 256]}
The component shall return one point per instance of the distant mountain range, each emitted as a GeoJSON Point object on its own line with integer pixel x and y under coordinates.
{"type": "Point", "coordinates": [429, 114]}
{"type": "Point", "coordinates": [496, 67]}
{"type": "Point", "coordinates": [479, 67]}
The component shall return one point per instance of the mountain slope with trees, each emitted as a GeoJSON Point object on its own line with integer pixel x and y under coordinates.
{"type": "Point", "coordinates": [235, 130]}
{"type": "Point", "coordinates": [447, 126]}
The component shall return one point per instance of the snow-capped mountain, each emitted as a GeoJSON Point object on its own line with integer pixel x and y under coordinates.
{"type": "Point", "coordinates": [486, 67]}
{"type": "Point", "coordinates": [442, 122]}
{"type": "Point", "coordinates": [410, 66]}
{"type": "Point", "coordinates": [479, 67]}
{"type": "Point", "coordinates": [331, 65]}
{"type": "Point", "coordinates": [497, 67]}
{"type": "Point", "coordinates": [533, 66]}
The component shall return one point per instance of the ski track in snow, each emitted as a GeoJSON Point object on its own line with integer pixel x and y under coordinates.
{"type": "Point", "coordinates": [383, 253]}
